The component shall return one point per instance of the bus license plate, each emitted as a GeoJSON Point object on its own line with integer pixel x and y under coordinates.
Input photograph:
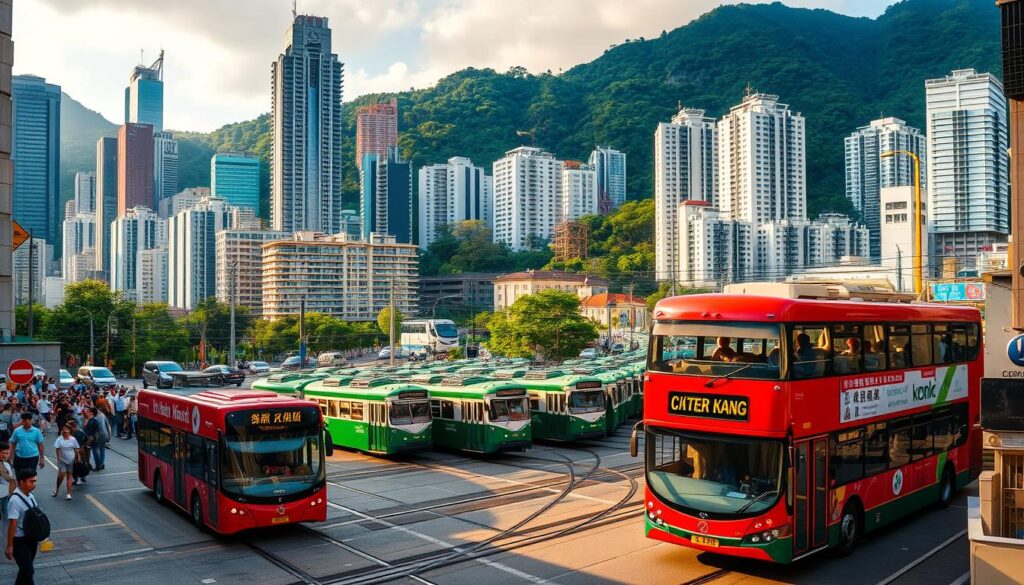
{"type": "Point", "coordinates": [283, 519]}
{"type": "Point", "coordinates": [698, 539]}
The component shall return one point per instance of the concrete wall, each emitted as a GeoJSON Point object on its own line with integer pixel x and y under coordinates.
{"type": "Point", "coordinates": [998, 332]}
{"type": "Point", "coordinates": [994, 560]}
{"type": "Point", "coordinates": [42, 354]}
{"type": "Point", "coordinates": [6, 172]}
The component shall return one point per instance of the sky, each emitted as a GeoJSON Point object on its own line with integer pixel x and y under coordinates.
{"type": "Point", "coordinates": [218, 52]}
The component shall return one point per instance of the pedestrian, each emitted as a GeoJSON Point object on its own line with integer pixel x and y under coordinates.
{"type": "Point", "coordinates": [81, 468]}
{"type": "Point", "coordinates": [28, 444]}
{"type": "Point", "coordinates": [133, 412]}
{"type": "Point", "coordinates": [8, 480]}
{"type": "Point", "coordinates": [67, 452]}
{"type": "Point", "coordinates": [7, 421]}
{"type": "Point", "coordinates": [120, 412]}
{"type": "Point", "coordinates": [98, 430]}
{"type": "Point", "coordinates": [44, 407]}
{"type": "Point", "coordinates": [21, 547]}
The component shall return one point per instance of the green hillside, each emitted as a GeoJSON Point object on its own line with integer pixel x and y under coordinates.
{"type": "Point", "coordinates": [80, 128]}
{"type": "Point", "coordinates": [840, 72]}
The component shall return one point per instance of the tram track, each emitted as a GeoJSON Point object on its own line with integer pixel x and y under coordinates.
{"type": "Point", "coordinates": [708, 578]}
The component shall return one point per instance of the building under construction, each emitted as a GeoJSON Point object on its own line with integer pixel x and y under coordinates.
{"type": "Point", "coordinates": [571, 240]}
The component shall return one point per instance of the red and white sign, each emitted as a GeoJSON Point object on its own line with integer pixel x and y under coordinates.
{"type": "Point", "coordinates": [20, 371]}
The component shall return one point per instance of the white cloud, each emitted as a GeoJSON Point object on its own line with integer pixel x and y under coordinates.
{"type": "Point", "coordinates": [218, 52]}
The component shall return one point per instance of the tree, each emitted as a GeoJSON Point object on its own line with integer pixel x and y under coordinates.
{"type": "Point", "coordinates": [665, 291]}
{"type": "Point", "coordinates": [68, 323]}
{"type": "Point", "coordinates": [384, 322]}
{"type": "Point", "coordinates": [158, 335]}
{"type": "Point", "coordinates": [273, 338]}
{"type": "Point", "coordinates": [546, 324]}
{"type": "Point", "coordinates": [40, 314]}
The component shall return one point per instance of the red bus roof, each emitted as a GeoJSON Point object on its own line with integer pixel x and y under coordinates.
{"type": "Point", "coordinates": [223, 398]}
{"type": "Point", "coordinates": [733, 307]}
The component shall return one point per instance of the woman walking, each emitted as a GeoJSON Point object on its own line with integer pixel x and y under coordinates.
{"type": "Point", "coordinates": [67, 449]}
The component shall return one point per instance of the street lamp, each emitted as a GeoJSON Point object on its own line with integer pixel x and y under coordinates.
{"type": "Point", "coordinates": [92, 337]}
{"type": "Point", "coordinates": [918, 217]}
{"type": "Point", "coordinates": [433, 309]}
{"type": "Point", "coordinates": [610, 307]}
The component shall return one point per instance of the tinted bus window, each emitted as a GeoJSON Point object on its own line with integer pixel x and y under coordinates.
{"type": "Point", "coordinates": [875, 449]}
{"type": "Point", "coordinates": [942, 344]}
{"type": "Point", "coordinates": [899, 443]}
{"type": "Point", "coordinates": [875, 354]}
{"type": "Point", "coordinates": [942, 430]}
{"type": "Point", "coordinates": [811, 351]}
{"type": "Point", "coordinates": [848, 342]}
{"type": "Point", "coordinates": [921, 344]}
{"type": "Point", "coordinates": [847, 458]}
{"type": "Point", "coordinates": [972, 341]}
{"type": "Point", "coordinates": [921, 438]}
{"type": "Point", "coordinates": [741, 350]}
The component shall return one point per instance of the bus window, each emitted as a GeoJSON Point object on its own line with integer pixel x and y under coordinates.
{"type": "Point", "coordinates": [942, 344]}
{"type": "Point", "coordinates": [899, 443]}
{"type": "Point", "coordinates": [899, 346]}
{"type": "Point", "coordinates": [921, 344]}
{"type": "Point", "coordinates": [875, 444]}
{"type": "Point", "coordinates": [847, 457]}
{"type": "Point", "coordinates": [811, 351]}
{"type": "Point", "coordinates": [848, 344]}
{"type": "Point", "coordinates": [874, 348]}
{"type": "Point", "coordinates": [435, 408]}
{"type": "Point", "coordinates": [972, 342]}
{"type": "Point", "coordinates": [196, 450]}
{"type": "Point", "coordinates": [716, 349]}
{"type": "Point", "coordinates": [499, 411]}
{"type": "Point", "coordinates": [942, 430]}
{"type": "Point", "coordinates": [357, 410]}
{"type": "Point", "coordinates": [960, 424]}
{"type": "Point", "coordinates": [921, 438]}
{"type": "Point", "coordinates": [959, 343]}
{"type": "Point", "coordinates": [448, 409]}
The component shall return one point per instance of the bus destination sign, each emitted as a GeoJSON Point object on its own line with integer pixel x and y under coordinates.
{"type": "Point", "coordinates": [588, 384]}
{"type": "Point", "coordinates": [412, 395]}
{"type": "Point", "coordinates": [708, 405]}
{"type": "Point", "coordinates": [511, 392]}
{"type": "Point", "coordinates": [274, 417]}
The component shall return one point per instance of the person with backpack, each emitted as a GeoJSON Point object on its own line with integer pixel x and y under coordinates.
{"type": "Point", "coordinates": [81, 467]}
{"type": "Point", "coordinates": [98, 430]}
{"type": "Point", "coordinates": [26, 528]}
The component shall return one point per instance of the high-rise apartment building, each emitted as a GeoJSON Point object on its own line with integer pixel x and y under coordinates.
{"type": "Point", "coordinates": [968, 163]}
{"type": "Point", "coordinates": [144, 96]}
{"type": "Point", "coordinates": [138, 229]}
{"type": "Point", "coordinates": [30, 254]}
{"type": "Point", "coordinates": [685, 169]}
{"type": "Point", "coordinates": [376, 130]}
{"type": "Point", "coordinates": [181, 201]}
{"type": "Point", "coordinates": [762, 161]}
{"type": "Point", "coordinates": [352, 280]}
{"type": "Point", "coordinates": [713, 250]}
{"type": "Point", "coordinates": [351, 225]}
{"type": "Point", "coordinates": [85, 192]}
{"type": "Point", "coordinates": [610, 166]}
{"type": "Point", "coordinates": [867, 173]}
{"type": "Point", "coordinates": [106, 201]}
{"type": "Point", "coordinates": [78, 260]}
{"type": "Point", "coordinates": [579, 191]}
{"type": "Point", "coordinates": [191, 248]}
{"type": "Point", "coordinates": [385, 203]}
{"type": "Point", "coordinates": [165, 166]}
{"type": "Point", "coordinates": [151, 280]}
{"type": "Point", "coordinates": [134, 167]}
{"type": "Point", "coordinates": [235, 177]}
{"type": "Point", "coordinates": [305, 168]}
{"type": "Point", "coordinates": [527, 197]}
{"type": "Point", "coordinates": [452, 192]}
{"type": "Point", "coordinates": [36, 155]}
{"type": "Point", "coordinates": [239, 255]}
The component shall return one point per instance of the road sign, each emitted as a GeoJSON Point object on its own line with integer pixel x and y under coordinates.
{"type": "Point", "coordinates": [958, 291]}
{"type": "Point", "coordinates": [1015, 350]}
{"type": "Point", "coordinates": [20, 371]}
{"type": "Point", "coordinates": [20, 236]}
{"type": "Point", "coordinates": [624, 318]}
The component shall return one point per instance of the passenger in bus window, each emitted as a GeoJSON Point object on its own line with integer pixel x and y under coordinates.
{"type": "Point", "coordinates": [874, 355]}
{"type": "Point", "coordinates": [806, 358]}
{"type": "Point", "coordinates": [852, 347]}
{"type": "Point", "coordinates": [724, 353]}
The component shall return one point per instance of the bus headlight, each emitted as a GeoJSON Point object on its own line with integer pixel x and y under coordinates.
{"type": "Point", "coordinates": [767, 536]}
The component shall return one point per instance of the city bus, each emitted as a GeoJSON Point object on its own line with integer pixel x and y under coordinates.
{"type": "Point", "coordinates": [565, 407]}
{"type": "Point", "coordinates": [480, 415]}
{"type": "Point", "coordinates": [776, 427]}
{"type": "Point", "coordinates": [437, 335]}
{"type": "Point", "coordinates": [234, 459]}
{"type": "Point", "coordinates": [288, 383]}
{"type": "Point", "coordinates": [381, 416]}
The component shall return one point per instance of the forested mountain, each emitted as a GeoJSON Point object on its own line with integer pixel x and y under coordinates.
{"type": "Point", "coordinates": [840, 72]}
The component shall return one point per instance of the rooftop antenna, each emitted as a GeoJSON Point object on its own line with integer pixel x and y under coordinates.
{"type": "Point", "coordinates": [295, 9]}
{"type": "Point", "coordinates": [679, 106]}
{"type": "Point", "coordinates": [750, 90]}
{"type": "Point", "coordinates": [142, 56]}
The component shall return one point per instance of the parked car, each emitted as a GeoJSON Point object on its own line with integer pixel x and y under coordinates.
{"type": "Point", "coordinates": [225, 375]}
{"type": "Point", "coordinates": [589, 353]}
{"type": "Point", "coordinates": [259, 368]}
{"type": "Point", "coordinates": [96, 375]}
{"type": "Point", "coordinates": [618, 348]}
{"type": "Point", "coordinates": [158, 374]}
{"type": "Point", "coordinates": [66, 380]}
{"type": "Point", "coordinates": [385, 353]}
{"type": "Point", "coordinates": [39, 371]}
{"type": "Point", "coordinates": [295, 363]}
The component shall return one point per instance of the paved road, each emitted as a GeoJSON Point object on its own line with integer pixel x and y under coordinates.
{"type": "Point", "coordinates": [388, 513]}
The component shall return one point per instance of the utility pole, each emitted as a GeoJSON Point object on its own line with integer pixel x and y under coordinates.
{"type": "Point", "coordinates": [133, 345]}
{"type": "Point", "coordinates": [899, 269]}
{"type": "Point", "coordinates": [92, 341]}
{"type": "Point", "coordinates": [632, 318]}
{"type": "Point", "coordinates": [231, 295]}
{"type": "Point", "coordinates": [302, 333]}
{"type": "Point", "coordinates": [31, 279]}
{"type": "Point", "coordinates": [391, 324]}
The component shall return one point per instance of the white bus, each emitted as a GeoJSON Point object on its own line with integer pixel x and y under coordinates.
{"type": "Point", "coordinates": [436, 335]}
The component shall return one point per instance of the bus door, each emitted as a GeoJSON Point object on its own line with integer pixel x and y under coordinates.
{"type": "Point", "coordinates": [378, 439]}
{"type": "Point", "coordinates": [180, 466]}
{"type": "Point", "coordinates": [473, 424]}
{"type": "Point", "coordinates": [810, 491]}
{"type": "Point", "coordinates": [212, 481]}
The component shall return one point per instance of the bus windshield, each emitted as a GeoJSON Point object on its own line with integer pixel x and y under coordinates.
{"type": "Point", "coordinates": [738, 350]}
{"type": "Point", "coordinates": [506, 409]}
{"type": "Point", "coordinates": [407, 413]}
{"type": "Point", "coordinates": [583, 401]}
{"type": "Point", "coordinates": [263, 465]}
{"type": "Point", "coordinates": [446, 330]}
{"type": "Point", "coordinates": [721, 476]}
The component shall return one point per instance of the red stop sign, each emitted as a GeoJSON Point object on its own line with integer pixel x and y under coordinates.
{"type": "Point", "coordinates": [20, 371]}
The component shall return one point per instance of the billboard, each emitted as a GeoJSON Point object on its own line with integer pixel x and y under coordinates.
{"type": "Point", "coordinates": [958, 291]}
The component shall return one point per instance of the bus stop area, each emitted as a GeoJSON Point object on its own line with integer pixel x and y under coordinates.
{"type": "Point", "coordinates": [554, 514]}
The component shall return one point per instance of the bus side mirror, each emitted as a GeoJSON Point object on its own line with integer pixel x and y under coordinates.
{"type": "Point", "coordinates": [633, 441]}
{"type": "Point", "coordinates": [328, 445]}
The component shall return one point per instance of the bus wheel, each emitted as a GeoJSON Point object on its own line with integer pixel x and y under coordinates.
{"type": "Point", "coordinates": [158, 488]}
{"type": "Point", "coordinates": [947, 487]}
{"type": "Point", "coordinates": [197, 511]}
{"type": "Point", "coordinates": [850, 528]}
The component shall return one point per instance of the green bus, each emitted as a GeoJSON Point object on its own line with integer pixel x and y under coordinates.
{"type": "Point", "coordinates": [480, 415]}
{"type": "Point", "coordinates": [288, 383]}
{"type": "Point", "coordinates": [565, 407]}
{"type": "Point", "coordinates": [381, 416]}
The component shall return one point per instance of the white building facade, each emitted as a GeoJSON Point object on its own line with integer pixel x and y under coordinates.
{"type": "Point", "coordinates": [579, 191]}
{"type": "Point", "coordinates": [151, 268]}
{"type": "Point", "coordinates": [239, 254]}
{"type": "Point", "coordinates": [898, 246]}
{"type": "Point", "coordinates": [137, 230]}
{"type": "Point", "coordinates": [85, 192]}
{"type": "Point", "coordinates": [610, 166]}
{"type": "Point", "coordinates": [527, 197]}
{"type": "Point", "coordinates": [968, 163]}
{"type": "Point", "coordinates": [452, 192]}
{"type": "Point", "coordinates": [191, 246]}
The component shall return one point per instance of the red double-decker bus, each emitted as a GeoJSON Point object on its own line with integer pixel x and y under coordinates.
{"type": "Point", "coordinates": [777, 427]}
{"type": "Point", "coordinates": [233, 459]}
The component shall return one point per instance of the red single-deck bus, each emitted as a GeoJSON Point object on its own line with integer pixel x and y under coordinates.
{"type": "Point", "coordinates": [234, 459]}
{"type": "Point", "coordinates": [776, 427]}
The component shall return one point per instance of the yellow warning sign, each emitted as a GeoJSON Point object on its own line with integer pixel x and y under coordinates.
{"type": "Point", "coordinates": [20, 236]}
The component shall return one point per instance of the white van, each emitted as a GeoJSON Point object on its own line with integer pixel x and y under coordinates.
{"type": "Point", "coordinates": [331, 359]}
{"type": "Point", "coordinates": [96, 375]}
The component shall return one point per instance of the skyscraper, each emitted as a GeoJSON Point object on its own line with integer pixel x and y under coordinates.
{"type": "Point", "coordinates": [376, 129]}
{"type": "Point", "coordinates": [306, 110]}
{"type": "Point", "coordinates": [610, 166]}
{"type": "Point", "coordinates": [235, 177]}
{"type": "Point", "coordinates": [106, 200]}
{"type": "Point", "coordinates": [85, 191]}
{"type": "Point", "coordinates": [191, 245]}
{"type": "Point", "coordinates": [144, 96]}
{"type": "Point", "coordinates": [867, 173]}
{"type": "Point", "coordinates": [78, 260]}
{"type": "Point", "coordinates": [165, 166]}
{"type": "Point", "coordinates": [527, 197]}
{"type": "Point", "coordinates": [685, 169]}
{"type": "Point", "coordinates": [36, 155]}
{"type": "Point", "coordinates": [968, 163]}
{"type": "Point", "coordinates": [579, 191]}
{"type": "Point", "coordinates": [762, 161]}
{"type": "Point", "coordinates": [137, 230]}
{"type": "Point", "coordinates": [450, 193]}
{"type": "Point", "coordinates": [134, 167]}
{"type": "Point", "coordinates": [386, 196]}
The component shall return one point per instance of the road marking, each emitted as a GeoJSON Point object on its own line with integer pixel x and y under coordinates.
{"type": "Point", "coordinates": [95, 558]}
{"type": "Point", "coordinates": [84, 527]}
{"type": "Point", "coordinates": [116, 520]}
{"type": "Point", "coordinates": [963, 580]}
{"type": "Point", "coordinates": [131, 489]}
{"type": "Point", "coordinates": [923, 558]}
{"type": "Point", "coordinates": [438, 541]}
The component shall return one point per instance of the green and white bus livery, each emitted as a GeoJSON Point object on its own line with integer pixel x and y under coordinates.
{"type": "Point", "coordinates": [565, 407]}
{"type": "Point", "coordinates": [480, 415]}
